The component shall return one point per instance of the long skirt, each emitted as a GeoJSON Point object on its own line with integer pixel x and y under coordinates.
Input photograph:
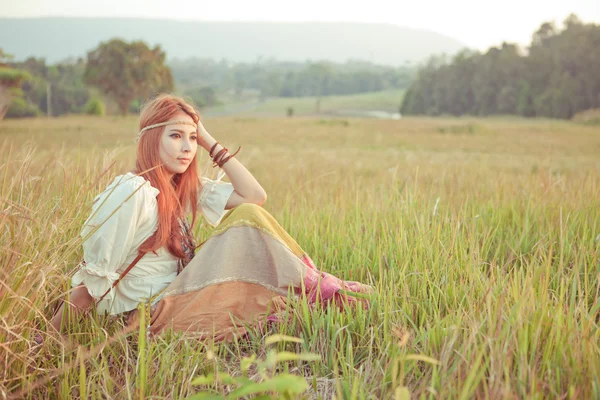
{"type": "Point", "coordinates": [242, 276]}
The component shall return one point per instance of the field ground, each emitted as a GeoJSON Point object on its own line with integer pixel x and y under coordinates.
{"type": "Point", "coordinates": [481, 237]}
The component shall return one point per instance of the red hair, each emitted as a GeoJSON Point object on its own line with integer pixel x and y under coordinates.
{"type": "Point", "coordinates": [176, 195]}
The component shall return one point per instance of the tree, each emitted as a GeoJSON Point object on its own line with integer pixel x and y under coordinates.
{"type": "Point", "coordinates": [62, 84]}
{"type": "Point", "coordinates": [127, 71]}
{"type": "Point", "coordinates": [10, 83]}
{"type": "Point", "coordinates": [203, 97]}
{"type": "Point", "coordinates": [557, 78]}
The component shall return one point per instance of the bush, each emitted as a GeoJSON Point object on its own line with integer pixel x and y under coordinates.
{"type": "Point", "coordinates": [135, 106]}
{"type": "Point", "coordinates": [94, 106]}
{"type": "Point", "coordinates": [12, 77]}
{"type": "Point", "coordinates": [19, 108]}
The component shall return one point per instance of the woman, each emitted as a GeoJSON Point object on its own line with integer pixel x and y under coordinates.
{"type": "Point", "coordinates": [241, 275]}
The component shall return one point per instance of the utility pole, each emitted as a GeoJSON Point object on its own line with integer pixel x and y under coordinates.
{"type": "Point", "coordinates": [49, 100]}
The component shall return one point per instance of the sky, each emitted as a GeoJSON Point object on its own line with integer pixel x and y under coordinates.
{"type": "Point", "coordinates": [476, 23]}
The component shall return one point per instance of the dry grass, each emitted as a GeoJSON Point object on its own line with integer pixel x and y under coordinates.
{"type": "Point", "coordinates": [480, 235]}
{"type": "Point", "coordinates": [591, 117]}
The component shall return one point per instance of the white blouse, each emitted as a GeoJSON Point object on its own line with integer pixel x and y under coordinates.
{"type": "Point", "coordinates": [123, 217]}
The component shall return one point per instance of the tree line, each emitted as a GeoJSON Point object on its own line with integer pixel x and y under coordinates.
{"type": "Point", "coordinates": [10, 83]}
{"type": "Point", "coordinates": [273, 78]}
{"type": "Point", "coordinates": [126, 74]}
{"type": "Point", "coordinates": [557, 77]}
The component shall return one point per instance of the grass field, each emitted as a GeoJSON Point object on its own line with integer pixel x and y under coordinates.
{"type": "Point", "coordinates": [386, 100]}
{"type": "Point", "coordinates": [481, 236]}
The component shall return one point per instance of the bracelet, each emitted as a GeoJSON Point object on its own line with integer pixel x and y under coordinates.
{"type": "Point", "coordinates": [219, 155]}
{"type": "Point", "coordinates": [213, 148]}
{"type": "Point", "coordinates": [220, 159]}
{"type": "Point", "coordinates": [223, 161]}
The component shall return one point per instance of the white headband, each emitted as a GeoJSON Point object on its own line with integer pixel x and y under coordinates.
{"type": "Point", "coordinates": [173, 122]}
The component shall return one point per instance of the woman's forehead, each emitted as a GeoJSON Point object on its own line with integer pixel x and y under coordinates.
{"type": "Point", "coordinates": [182, 122]}
{"type": "Point", "coordinates": [180, 128]}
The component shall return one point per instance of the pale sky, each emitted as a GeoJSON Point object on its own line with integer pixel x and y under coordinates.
{"type": "Point", "coordinates": [477, 23]}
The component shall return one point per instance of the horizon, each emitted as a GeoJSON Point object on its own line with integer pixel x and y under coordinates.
{"type": "Point", "coordinates": [485, 26]}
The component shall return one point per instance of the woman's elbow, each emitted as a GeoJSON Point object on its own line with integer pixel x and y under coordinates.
{"type": "Point", "coordinates": [260, 198]}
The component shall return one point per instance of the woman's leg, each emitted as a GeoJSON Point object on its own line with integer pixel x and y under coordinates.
{"type": "Point", "coordinates": [240, 275]}
{"type": "Point", "coordinates": [255, 215]}
{"type": "Point", "coordinates": [319, 285]}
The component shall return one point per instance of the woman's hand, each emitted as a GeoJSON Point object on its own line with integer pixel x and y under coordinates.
{"type": "Point", "coordinates": [204, 138]}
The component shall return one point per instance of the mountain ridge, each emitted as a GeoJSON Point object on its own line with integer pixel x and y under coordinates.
{"type": "Point", "coordinates": [59, 38]}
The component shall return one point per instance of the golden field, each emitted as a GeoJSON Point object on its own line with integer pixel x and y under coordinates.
{"type": "Point", "coordinates": [481, 237]}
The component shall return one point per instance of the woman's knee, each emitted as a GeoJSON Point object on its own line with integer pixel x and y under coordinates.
{"type": "Point", "coordinates": [251, 212]}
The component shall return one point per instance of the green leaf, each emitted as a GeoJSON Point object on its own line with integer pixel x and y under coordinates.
{"type": "Point", "coordinates": [281, 383]}
{"type": "Point", "coordinates": [289, 356]}
{"type": "Point", "coordinates": [242, 380]}
{"type": "Point", "coordinates": [205, 396]}
{"type": "Point", "coordinates": [225, 378]}
{"type": "Point", "coordinates": [204, 380]}
{"type": "Point", "coordinates": [357, 295]}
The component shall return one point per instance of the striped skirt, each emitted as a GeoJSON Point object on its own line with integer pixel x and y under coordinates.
{"type": "Point", "coordinates": [242, 276]}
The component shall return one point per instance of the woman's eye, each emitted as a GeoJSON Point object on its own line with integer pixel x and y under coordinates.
{"type": "Point", "coordinates": [176, 135]}
{"type": "Point", "coordinates": [194, 137]}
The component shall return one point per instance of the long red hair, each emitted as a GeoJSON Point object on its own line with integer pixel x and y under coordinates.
{"type": "Point", "coordinates": [177, 195]}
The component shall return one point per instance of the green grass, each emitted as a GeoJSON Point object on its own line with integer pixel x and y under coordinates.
{"type": "Point", "coordinates": [481, 237]}
{"type": "Point", "coordinates": [388, 100]}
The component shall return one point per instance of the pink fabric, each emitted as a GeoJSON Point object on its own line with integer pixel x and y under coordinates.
{"type": "Point", "coordinates": [321, 287]}
{"type": "Point", "coordinates": [324, 287]}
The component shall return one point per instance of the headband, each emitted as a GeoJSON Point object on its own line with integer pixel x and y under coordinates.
{"type": "Point", "coordinates": [172, 122]}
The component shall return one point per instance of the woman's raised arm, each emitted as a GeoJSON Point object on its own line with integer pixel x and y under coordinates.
{"type": "Point", "coordinates": [247, 189]}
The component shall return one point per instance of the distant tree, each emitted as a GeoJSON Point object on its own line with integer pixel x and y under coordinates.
{"type": "Point", "coordinates": [19, 108]}
{"type": "Point", "coordinates": [10, 83]}
{"type": "Point", "coordinates": [524, 101]}
{"type": "Point", "coordinates": [203, 96]}
{"type": "Point", "coordinates": [62, 84]}
{"type": "Point", "coordinates": [127, 71]}
{"type": "Point", "coordinates": [557, 78]}
{"type": "Point", "coordinates": [270, 84]}
{"type": "Point", "coordinates": [5, 57]}
{"type": "Point", "coordinates": [94, 106]}
{"type": "Point", "coordinates": [290, 79]}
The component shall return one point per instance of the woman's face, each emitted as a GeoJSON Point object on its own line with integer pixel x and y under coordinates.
{"type": "Point", "coordinates": [178, 145]}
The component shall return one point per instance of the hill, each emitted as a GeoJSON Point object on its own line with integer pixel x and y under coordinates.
{"type": "Point", "coordinates": [56, 39]}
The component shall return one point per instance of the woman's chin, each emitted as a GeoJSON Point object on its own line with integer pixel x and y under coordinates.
{"type": "Point", "coordinates": [177, 171]}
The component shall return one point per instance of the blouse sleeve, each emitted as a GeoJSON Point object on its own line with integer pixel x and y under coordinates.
{"type": "Point", "coordinates": [213, 198]}
{"type": "Point", "coordinates": [108, 236]}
